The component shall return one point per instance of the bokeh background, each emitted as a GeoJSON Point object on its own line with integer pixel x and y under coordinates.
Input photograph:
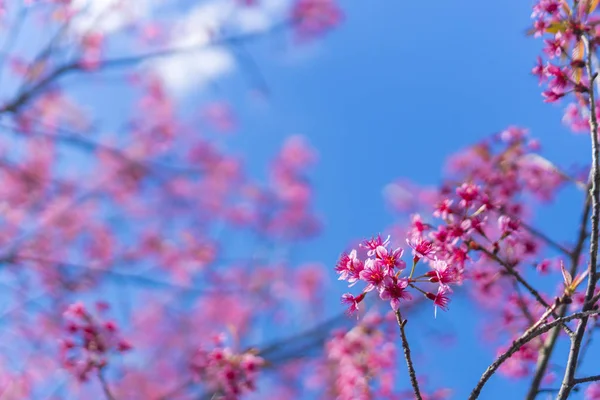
{"type": "Point", "coordinates": [388, 94]}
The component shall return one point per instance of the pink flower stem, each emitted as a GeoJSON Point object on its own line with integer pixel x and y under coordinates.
{"type": "Point", "coordinates": [417, 288]}
{"type": "Point", "coordinates": [412, 270]}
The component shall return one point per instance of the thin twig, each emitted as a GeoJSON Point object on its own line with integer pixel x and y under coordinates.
{"type": "Point", "coordinates": [512, 271]}
{"type": "Point", "coordinates": [318, 330]}
{"type": "Point", "coordinates": [105, 387]}
{"type": "Point", "coordinates": [108, 270]}
{"type": "Point", "coordinates": [524, 309]}
{"type": "Point", "coordinates": [550, 342]}
{"type": "Point", "coordinates": [586, 379]}
{"type": "Point", "coordinates": [549, 241]}
{"type": "Point", "coordinates": [538, 234]}
{"type": "Point", "coordinates": [577, 381]}
{"type": "Point", "coordinates": [585, 347]}
{"type": "Point", "coordinates": [26, 95]}
{"type": "Point", "coordinates": [409, 362]}
{"type": "Point", "coordinates": [77, 140]}
{"type": "Point", "coordinates": [517, 344]}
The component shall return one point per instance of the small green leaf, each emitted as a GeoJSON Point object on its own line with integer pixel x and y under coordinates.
{"type": "Point", "coordinates": [556, 27]}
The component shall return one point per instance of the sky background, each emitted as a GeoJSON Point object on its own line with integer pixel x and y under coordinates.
{"type": "Point", "coordinates": [391, 93]}
{"type": "Point", "coordinates": [398, 87]}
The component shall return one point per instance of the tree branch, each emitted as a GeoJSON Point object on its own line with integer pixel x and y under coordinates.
{"type": "Point", "coordinates": [550, 342]}
{"type": "Point", "coordinates": [105, 387]}
{"type": "Point", "coordinates": [27, 94]}
{"type": "Point", "coordinates": [545, 238]}
{"type": "Point", "coordinates": [538, 234]}
{"type": "Point", "coordinates": [594, 378]}
{"type": "Point", "coordinates": [409, 362]}
{"type": "Point", "coordinates": [512, 271]}
{"type": "Point", "coordinates": [569, 376]}
{"type": "Point", "coordinates": [517, 344]}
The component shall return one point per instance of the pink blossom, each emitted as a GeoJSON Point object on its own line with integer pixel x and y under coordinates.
{"type": "Point", "coordinates": [373, 243]}
{"type": "Point", "coordinates": [554, 47]}
{"type": "Point", "coordinates": [443, 209]}
{"type": "Point", "coordinates": [468, 193]}
{"type": "Point", "coordinates": [349, 267]}
{"type": "Point", "coordinates": [390, 259]}
{"type": "Point", "coordinates": [352, 301]}
{"type": "Point", "coordinates": [374, 273]}
{"type": "Point", "coordinates": [443, 273]}
{"type": "Point", "coordinates": [394, 290]}
{"type": "Point", "coordinates": [315, 17]}
{"type": "Point", "coordinates": [519, 364]}
{"type": "Point", "coordinates": [540, 27]}
{"type": "Point", "coordinates": [543, 7]}
{"type": "Point", "coordinates": [507, 225]}
{"type": "Point", "coordinates": [422, 248]}
{"type": "Point", "coordinates": [552, 95]}
{"type": "Point", "coordinates": [222, 370]}
{"type": "Point", "coordinates": [89, 343]}
{"type": "Point", "coordinates": [440, 299]}
{"type": "Point", "coordinates": [418, 225]}
{"type": "Point", "coordinates": [593, 391]}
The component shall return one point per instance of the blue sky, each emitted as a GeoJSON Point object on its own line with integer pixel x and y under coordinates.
{"type": "Point", "coordinates": [389, 94]}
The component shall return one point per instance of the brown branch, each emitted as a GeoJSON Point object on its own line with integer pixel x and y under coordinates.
{"type": "Point", "coordinates": [585, 346]}
{"type": "Point", "coordinates": [517, 344]}
{"type": "Point", "coordinates": [546, 352]}
{"type": "Point", "coordinates": [586, 379]}
{"type": "Point", "coordinates": [77, 140]}
{"type": "Point", "coordinates": [409, 362]}
{"type": "Point", "coordinates": [523, 307]}
{"type": "Point", "coordinates": [107, 270]}
{"type": "Point", "coordinates": [105, 387]}
{"type": "Point", "coordinates": [537, 233]}
{"type": "Point", "coordinates": [512, 271]}
{"type": "Point", "coordinates": [575, 382]}
{"type": "Point", "coordinates": [545, 238]}
{"type": "Point", "coordinates": [76, 66]}
{"type": "Point", "coordinates": [572, 361]}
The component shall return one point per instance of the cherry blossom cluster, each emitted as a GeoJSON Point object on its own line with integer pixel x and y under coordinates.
{"type": "Point", "coordinates": [226, 373]}
{"type": "Point", "coordinates": [315, 17]}
{"type": "Point", "coordinates": [357, 357]}
{"type": "Point", "coordinates": [478, 221]}
{"type": "Point", "coordinates": [567, 31]}
{"type": "Point", "coordinates": [445, 249]}
{"type": "Point", "coordinates": [502, 176]}
{"type": "Point", "coordinates": [90, 341]}
{"type": "Point", "coordinates": [593, 391]}
{"type": "Point", "coordinates": [160, 193]}
{"type": "Point", "coordinates": [382, 271]}
{"type": "Point", "coordinates": [508, 166]}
